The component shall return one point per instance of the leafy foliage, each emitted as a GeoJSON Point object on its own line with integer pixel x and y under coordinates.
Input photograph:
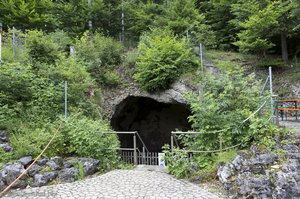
{"type": "Point", "coordinates": [228, 100]}
{"type": "Point", "coordinates": [45, 48]}
{"type": "Point", "coordinates": [78, 135]}
{"type": "Point", "coordinates": [87, 138]}
{"type": "Point", "coordinates": [220, 113]}
{"type": "Point", "coordinates": [101, 54]}
{"type": "Point", "coordinates": [162, 59]}
{"type": "Point", "coordinates": [28, 14]}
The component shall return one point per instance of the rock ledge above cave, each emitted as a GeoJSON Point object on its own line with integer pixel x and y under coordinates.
{"type": "Point", "coordinates": [175, 94]}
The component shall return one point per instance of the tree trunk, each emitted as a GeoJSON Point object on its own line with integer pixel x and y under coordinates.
{"type": "Point", "coordinates": [284, 50]}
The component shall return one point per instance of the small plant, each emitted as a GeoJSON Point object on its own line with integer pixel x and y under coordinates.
{"type": "Point", "coordinates": [177, 162]}
{"type": "Point", "coordinates": [45, 170]}
{"type": "Point", "coordinates": [79, 166]}
{"type": "Point", "coordinates": [5, 157]}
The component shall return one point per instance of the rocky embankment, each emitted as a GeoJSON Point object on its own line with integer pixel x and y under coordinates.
{"type": "Point", "coordinates": [45, 171]}
{"type": "Point", "coordinates": [260, 173]}
{"type": "Point", "coordinates": [4, 141]}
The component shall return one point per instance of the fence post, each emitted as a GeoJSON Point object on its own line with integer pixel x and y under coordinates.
{"type": "Point", "coordinates": [134, 147]}
{"type": "Point", "coordinates": [172, 141]}
{"type": "Point", "coordinates": [271, 92]}
{"type": "Point", "coordinates": [201, 56]}
{"type": "Point", "coordinates": [143, 155]}
{"type": "Point", "coordinates": [14, 43]}
{"type": "Point", "coordinates": [66, 99]}
{"type": "Point", "coordinates": [0, 43]}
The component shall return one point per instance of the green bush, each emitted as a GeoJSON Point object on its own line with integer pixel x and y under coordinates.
{"type": "Point", "coordinates": [177, 163]}
{"type": "Point", "coordinates": [87, 138]}
{"type": "Point", "coordinates": [42, 48]}
{"type": "Point", "coordinates": [4, 157]}
{"type": "Point", "coordinates": [31, 140]}
{"type": "Point", "coordinates": [77, 135]}
{"type": "Point", "coordinates": [15, 84]}
{"type": "Point", "coordinates": [162, 59]}
{"type": "Point", "coordinates": [100, 53]}
{"type": "Point", "coordinates": [223, 105]}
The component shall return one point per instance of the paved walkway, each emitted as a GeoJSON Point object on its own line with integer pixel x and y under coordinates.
{"type": "Point", "coordinates": [291, 123]}
{"type": "Point", "coordinates": [119, 184]}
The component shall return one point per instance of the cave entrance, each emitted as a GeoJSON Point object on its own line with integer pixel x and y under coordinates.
{"type": "Point", "coordinates": [153, 120]}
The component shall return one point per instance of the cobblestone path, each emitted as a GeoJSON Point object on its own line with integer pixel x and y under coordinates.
{"type": "Point", "coordinates": [118, 184]}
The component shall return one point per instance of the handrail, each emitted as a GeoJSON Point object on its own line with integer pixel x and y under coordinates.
{"type": "Point", "coordinates": [176, 141]}
{"type": "Point", "coordinates": [255, 112]}
{"type": "Point", "coordinates": [130, 133]}
{"type": "Point", "coordinates": [141, 141]}
{"type": "Point", "coordinates": [120, 132]}
{"type": "Point", "coordinates": [210, 151]}
{"type": "Point", "coordinates": [264, 86]}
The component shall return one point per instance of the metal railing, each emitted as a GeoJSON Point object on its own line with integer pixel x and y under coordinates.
{"type": "Point", "coordinates": [137, 154]}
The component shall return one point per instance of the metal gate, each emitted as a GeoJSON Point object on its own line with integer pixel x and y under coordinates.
{"type": "Point", "coordinates": [146, 158]}
{"type": "Point", "coordinates": [137, 155]}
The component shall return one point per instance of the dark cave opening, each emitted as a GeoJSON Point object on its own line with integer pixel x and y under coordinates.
{"type": "Point", "coordinates": [153, 120]}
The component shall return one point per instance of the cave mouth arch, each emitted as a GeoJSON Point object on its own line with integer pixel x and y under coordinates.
{"type": "Point", "coordinates": [152, 119]}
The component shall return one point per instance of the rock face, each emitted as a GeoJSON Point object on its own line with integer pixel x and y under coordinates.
{"type": "Point", "coordinates": [68, 174]}
{"type": "Point", "coordinates": [2, 185]}
{"type": "Point", "coordinates": [3, 136]}
{"type": "Point", "coordinates": [296, 90]}
{"type": "Point", "coordinates": [90, 165]}
{"type": "Point", "coordinates": [25, 161]}
{"type": "Point", "coordinates": [46, 171]}
{"type": "Point", "coordinates": [55, 163]}
{"type": "Point", "coordinates": [10, 172]}
{"type": "Point", "coordinates": [43, 179]}
{"type": "Point", "coordinates": [261, 174]}
{"type": "Point", "coordinates": [6, 147]}
{"type": "Point", "coordinates": [4, 141]}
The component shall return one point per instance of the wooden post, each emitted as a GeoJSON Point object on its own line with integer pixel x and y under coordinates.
{"type": "Point", "coordinates": [296, 110]}
{"type": "Point", "coordinates": [277, 114]}
{"type": "Point", "coordinates": [134, 152]}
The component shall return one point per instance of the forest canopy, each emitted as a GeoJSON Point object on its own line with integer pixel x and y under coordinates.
{"type": "Point", "coordinates": [255, 26]}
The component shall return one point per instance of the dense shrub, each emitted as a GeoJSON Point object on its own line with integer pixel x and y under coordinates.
{"type": "Point", "coordinates": [102, 55]}
{"type": "Point", "coordinates": [162, 58]}
{"type": "Point", "coordinates": [88, 138]}
{"type": "Point", "coordinates": [77, 135]}
{"type": "Point", "coordinates": [45, 48]}
{"type": "Point", "coordinates": [226, 101]}
{"type": "Point", "coordinates": [219, 112]}
{"type": "Point", "coordinates": [15, 84]}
